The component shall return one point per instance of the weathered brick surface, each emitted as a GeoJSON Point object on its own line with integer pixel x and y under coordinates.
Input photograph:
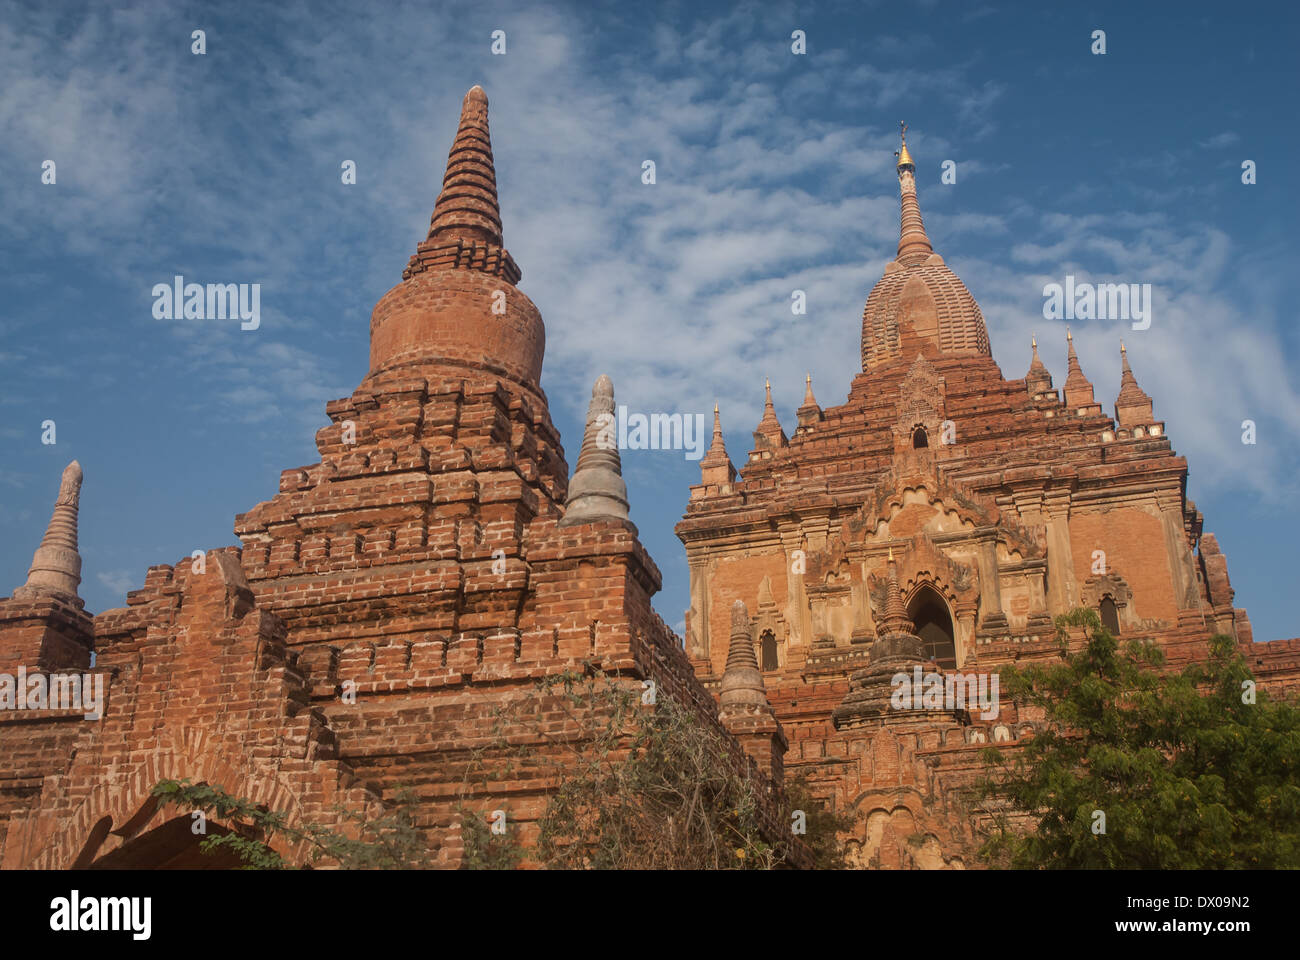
{"type": "Point", "coordinates": [1004, 503]}
{"type": "Point", "coordinates": [387, 604]}
{"type": "Point", "coordinates": [391, 600]}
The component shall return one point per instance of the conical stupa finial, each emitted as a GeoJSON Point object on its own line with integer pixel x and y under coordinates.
{"type": "Point", "coordinates": [597, 491]}
{"type": "Point", "coordinates": [808, 399]}
{"type": "Point", "coordinates": [742, 683]}
{"type": "Point", "coordinates": [913, 242]}
{"type": "Point", "coordinates": [769, 432]}
{"type": "Point", "coordinates": [467, 207]}
{"type": "Point", "coordinates": [895, 621]}
{"type": "Point", "coordinates": [718, 446]}
{"type": "Point", "coordinates": [904, 158]}
{"type": "Point", "coordinates": [56, 565]}
{"type": "Point", "coordinates": [716, 465]}
{"type": "Point", "coordinates": [1037, 375]}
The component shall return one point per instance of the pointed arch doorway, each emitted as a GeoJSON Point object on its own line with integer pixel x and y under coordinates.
{"type": "Point", "coordinates": [929, 614]}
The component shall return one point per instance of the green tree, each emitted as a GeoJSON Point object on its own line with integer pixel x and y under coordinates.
{"type": "Point", "coordinates": [1191, 770]}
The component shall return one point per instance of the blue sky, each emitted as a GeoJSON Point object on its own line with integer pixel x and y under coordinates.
{"type": "Point", "coordinates": [774, 173]}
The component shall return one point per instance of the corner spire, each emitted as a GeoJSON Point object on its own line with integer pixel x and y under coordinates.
{"type": "Point", "coordinates": [597, 491]}
{"type": "Point", "coordinates": [1133, 406]}
{"type": "Point", "coordinates": [913, 243]}
{"type": "Point", "coordinates": [769, 434]}
{"type": "Point", "coordinates": [716, 466]}
{"type": "Point", "coordinates": [809, 413]}
{"type": "Point", "coordinates": [56, 565]}
{"type": "Point", "coordinates": [1038, 378]}
{"type": "Point", "coordinates": [1078, 388]}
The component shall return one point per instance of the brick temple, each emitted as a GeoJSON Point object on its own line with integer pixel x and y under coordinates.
{"type": "Point", "coordinates": [440, 559]}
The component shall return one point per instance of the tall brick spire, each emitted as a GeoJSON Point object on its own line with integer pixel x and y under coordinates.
{"type": "Point", "coordinates": [1078, 388]}
{"type": "Point", "coordinates": [56, 566]}
{"type": "Point", "coordinates": [597, 491]}
{"type": "Point", "coordinates": [457, 311]}
{"type": "Point", "coordinates": [467, 208]}
{"type": "Point", "coordinates": [913, 243]}
{"type": "Point", "coordinates": [919, 306]}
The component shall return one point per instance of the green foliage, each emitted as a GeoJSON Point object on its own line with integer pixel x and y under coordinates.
{"type": "Point", "coordinates": [391, 841]}
{"type": "Point", "coordinates": [1187, 773]}
{"type": "Point", "coordinates": [824, 826]}
{"type": "Point", "coordinates": [485, 850]}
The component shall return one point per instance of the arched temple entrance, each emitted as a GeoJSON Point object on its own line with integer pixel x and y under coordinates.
{"type": "Point", "coordinates": [171, 846]}
{"type": "Point", "coordinates": [933, 622]}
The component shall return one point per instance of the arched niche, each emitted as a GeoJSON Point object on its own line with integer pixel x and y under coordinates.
{"type": "Point", "coordinates": [933, 621]}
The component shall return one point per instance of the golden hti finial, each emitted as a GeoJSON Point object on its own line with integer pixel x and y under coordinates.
{"type": "Point", "coordinates": [904, 158]}
{"type": "Point", "coordinates": [808, 379]}
{"type": "Point", "coordinates": [1033, 341]}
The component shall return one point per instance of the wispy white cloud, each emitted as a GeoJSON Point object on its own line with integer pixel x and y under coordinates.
{"type": "Point", "coordinates": [119, 581]}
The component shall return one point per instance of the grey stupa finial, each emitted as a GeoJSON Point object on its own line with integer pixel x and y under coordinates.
{"type": "Point", "coordinates": [742, 682]}
{"type": "Point", "coordinates": [597, 490]}
{"type": "Point", "coordinates": [56, 566]}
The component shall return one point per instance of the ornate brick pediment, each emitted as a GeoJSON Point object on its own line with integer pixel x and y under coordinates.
{"type": "Point", "coordinates": [900, 489]}
{"type": "Point", "coordinates": [922, 563]}
{"type": "Point", "coordinates": [922, 401]}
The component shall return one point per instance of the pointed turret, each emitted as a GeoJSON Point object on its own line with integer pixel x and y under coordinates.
{"type": "Point", "coordinates": [769, 435]}
{"type": "Point", "coordinates": [809, 412]}
{"type": "Point", "coordinates": [715, 466]}
{"type": "Point", "coordinates": [1038, 380]}
{"type": "Point", "coordinates": [597, 490]}
{"type": "Point", "coordinates": [1078, 389]}
{"type": "Point", "coordinates": [1133, 407]}
{"type": "Point", "coordinates": [913, 242]}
